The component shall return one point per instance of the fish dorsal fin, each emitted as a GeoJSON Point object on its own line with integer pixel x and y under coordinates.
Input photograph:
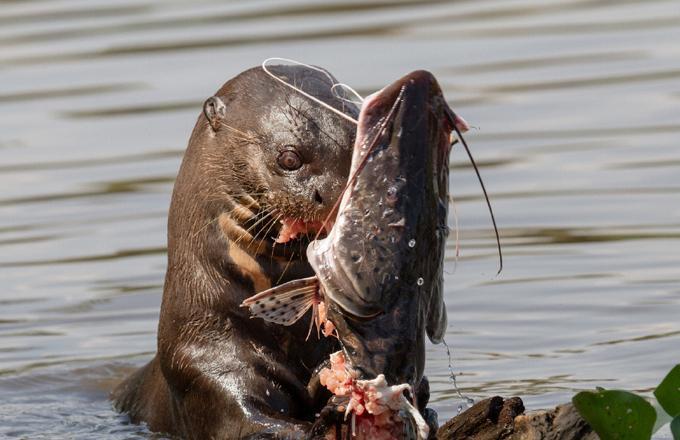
{"type": "Point", "coordinates": [284, 304]}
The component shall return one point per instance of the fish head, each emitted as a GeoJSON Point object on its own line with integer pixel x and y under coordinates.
{"type": "Point", "coordinates": [380, 268]}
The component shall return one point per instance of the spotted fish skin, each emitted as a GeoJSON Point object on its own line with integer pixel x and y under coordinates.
{"type": "Point", "coordinates": [381, 266]}
{"type": "Point", "coordinates": [287, 303]}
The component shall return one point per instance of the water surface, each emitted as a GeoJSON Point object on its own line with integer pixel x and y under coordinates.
{"type": "Point", "coordinates": [576, 104]}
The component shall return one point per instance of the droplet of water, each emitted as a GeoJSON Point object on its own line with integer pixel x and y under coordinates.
{"type": "Point", "coordinates": [412, 243]}
{"type": "Point", "coordinates": [392, 196]}
{"type": "Point", "coordinates": [452, 377]}
{"type": "Point", "coordinates": [460, 408]}
{"type": "Point", "coordinates": [420, 281]}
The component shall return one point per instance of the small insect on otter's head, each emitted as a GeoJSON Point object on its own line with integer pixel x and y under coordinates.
{"type": "Point", "coordinates": [289, 158]}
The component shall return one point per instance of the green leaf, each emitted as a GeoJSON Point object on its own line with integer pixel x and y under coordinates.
{"type": "Point", "coordinates": [616, 415]}
{"type": "Point", "coordinates": [675, 428]}
{"type": "Point", "coordinates": [668, 392]}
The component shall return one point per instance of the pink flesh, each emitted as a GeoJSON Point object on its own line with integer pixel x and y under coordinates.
{"type": "Point", "coordinates": [292, 228]}
{"type": "Point", "coordinates": [374, 406]}
{"type": "Point", "coordinates": [326, 325]}
{"type": "Point", "coordinates": [461, 124]}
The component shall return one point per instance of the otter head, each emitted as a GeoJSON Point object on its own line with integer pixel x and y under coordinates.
{"type": "Point", "coordinates": [264, 167]}
{"type": "Point", "coordinates": [298, 152]}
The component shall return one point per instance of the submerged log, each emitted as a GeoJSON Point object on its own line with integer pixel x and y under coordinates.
{"type": "Point", "coordinates": [562, 423]}
{"type": "Point", "coordinates": [492, 418]}
{"type": "Point", "coordinates": [496, 418]}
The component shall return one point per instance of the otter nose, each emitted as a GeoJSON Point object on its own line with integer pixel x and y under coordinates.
{"type": "Point", "coordinates": [317, 197]}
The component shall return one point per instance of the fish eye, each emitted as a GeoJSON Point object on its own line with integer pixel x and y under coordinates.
{"type": "Point", "coordinates": [289, 160]}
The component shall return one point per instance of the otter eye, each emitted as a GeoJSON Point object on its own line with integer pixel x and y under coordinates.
{"type": "Point", "coordinates": [289, 160]}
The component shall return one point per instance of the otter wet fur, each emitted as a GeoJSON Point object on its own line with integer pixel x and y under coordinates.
{"type": "Point", "coordinates": [261, 159]}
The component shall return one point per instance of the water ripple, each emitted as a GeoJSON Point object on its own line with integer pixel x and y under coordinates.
{"type": "Point", "coordinates": [580, 152]}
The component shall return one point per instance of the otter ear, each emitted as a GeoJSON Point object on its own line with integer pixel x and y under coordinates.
{"type": "Point", "coordinates": [215, 110]}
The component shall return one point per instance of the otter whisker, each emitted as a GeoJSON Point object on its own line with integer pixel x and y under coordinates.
{"type": "Point", "coordinates": [264, 237]}
{"type": "Point", "coordinates": [252, 203]}
{"type": "Point", "coordinates": [271, 255]}
{"type": "Point", "coordinates": [202, 228]}
{"type": "Point", "coordinates": [245, 136]}
{"type": "Point", "coordinates": [248, 194]}
{"type": "Point", "coordinates": [300, 241]}
{"type": "Point", "coordinates": [240, 212]}
{"type": "Point", "coordinates": [286, 267]}
{"type": "Point", "coordinates": [233, 207]}
{"type": "Point", "coordinates": [221, 196]}
{"type": "Point", "coordinates": [243, 234]}
{"type": "Point", "coordinates": [264, 230]}
{"type": "Point", "coordinates": [246, 232]}
{"type": "Point", "coordinates": [269, 224]}
{"type": "Point", "coordinates": [247, 200]}
{"type": "Point", "coordinates": [260, 220]}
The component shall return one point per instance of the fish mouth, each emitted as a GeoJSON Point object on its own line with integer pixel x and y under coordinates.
{"type": "Point", "coordinates": [405, 91]}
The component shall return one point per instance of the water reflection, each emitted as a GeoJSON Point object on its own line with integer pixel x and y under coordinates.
{"type": "Point", "coordinates": [121, 254]}
{"type": "Point", "coordinates": [42, 94]}
{"type": "Point", "coordinates": [141, 109]}
{"type": "Point", "coordinates": [576, 104]}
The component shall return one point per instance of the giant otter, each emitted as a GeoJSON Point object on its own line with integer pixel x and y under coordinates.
{"type": "Point", "coordinates": [264, 163]}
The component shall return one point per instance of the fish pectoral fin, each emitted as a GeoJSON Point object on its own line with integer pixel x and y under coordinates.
{"type": "Point", "coordinates": [284, 304]}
